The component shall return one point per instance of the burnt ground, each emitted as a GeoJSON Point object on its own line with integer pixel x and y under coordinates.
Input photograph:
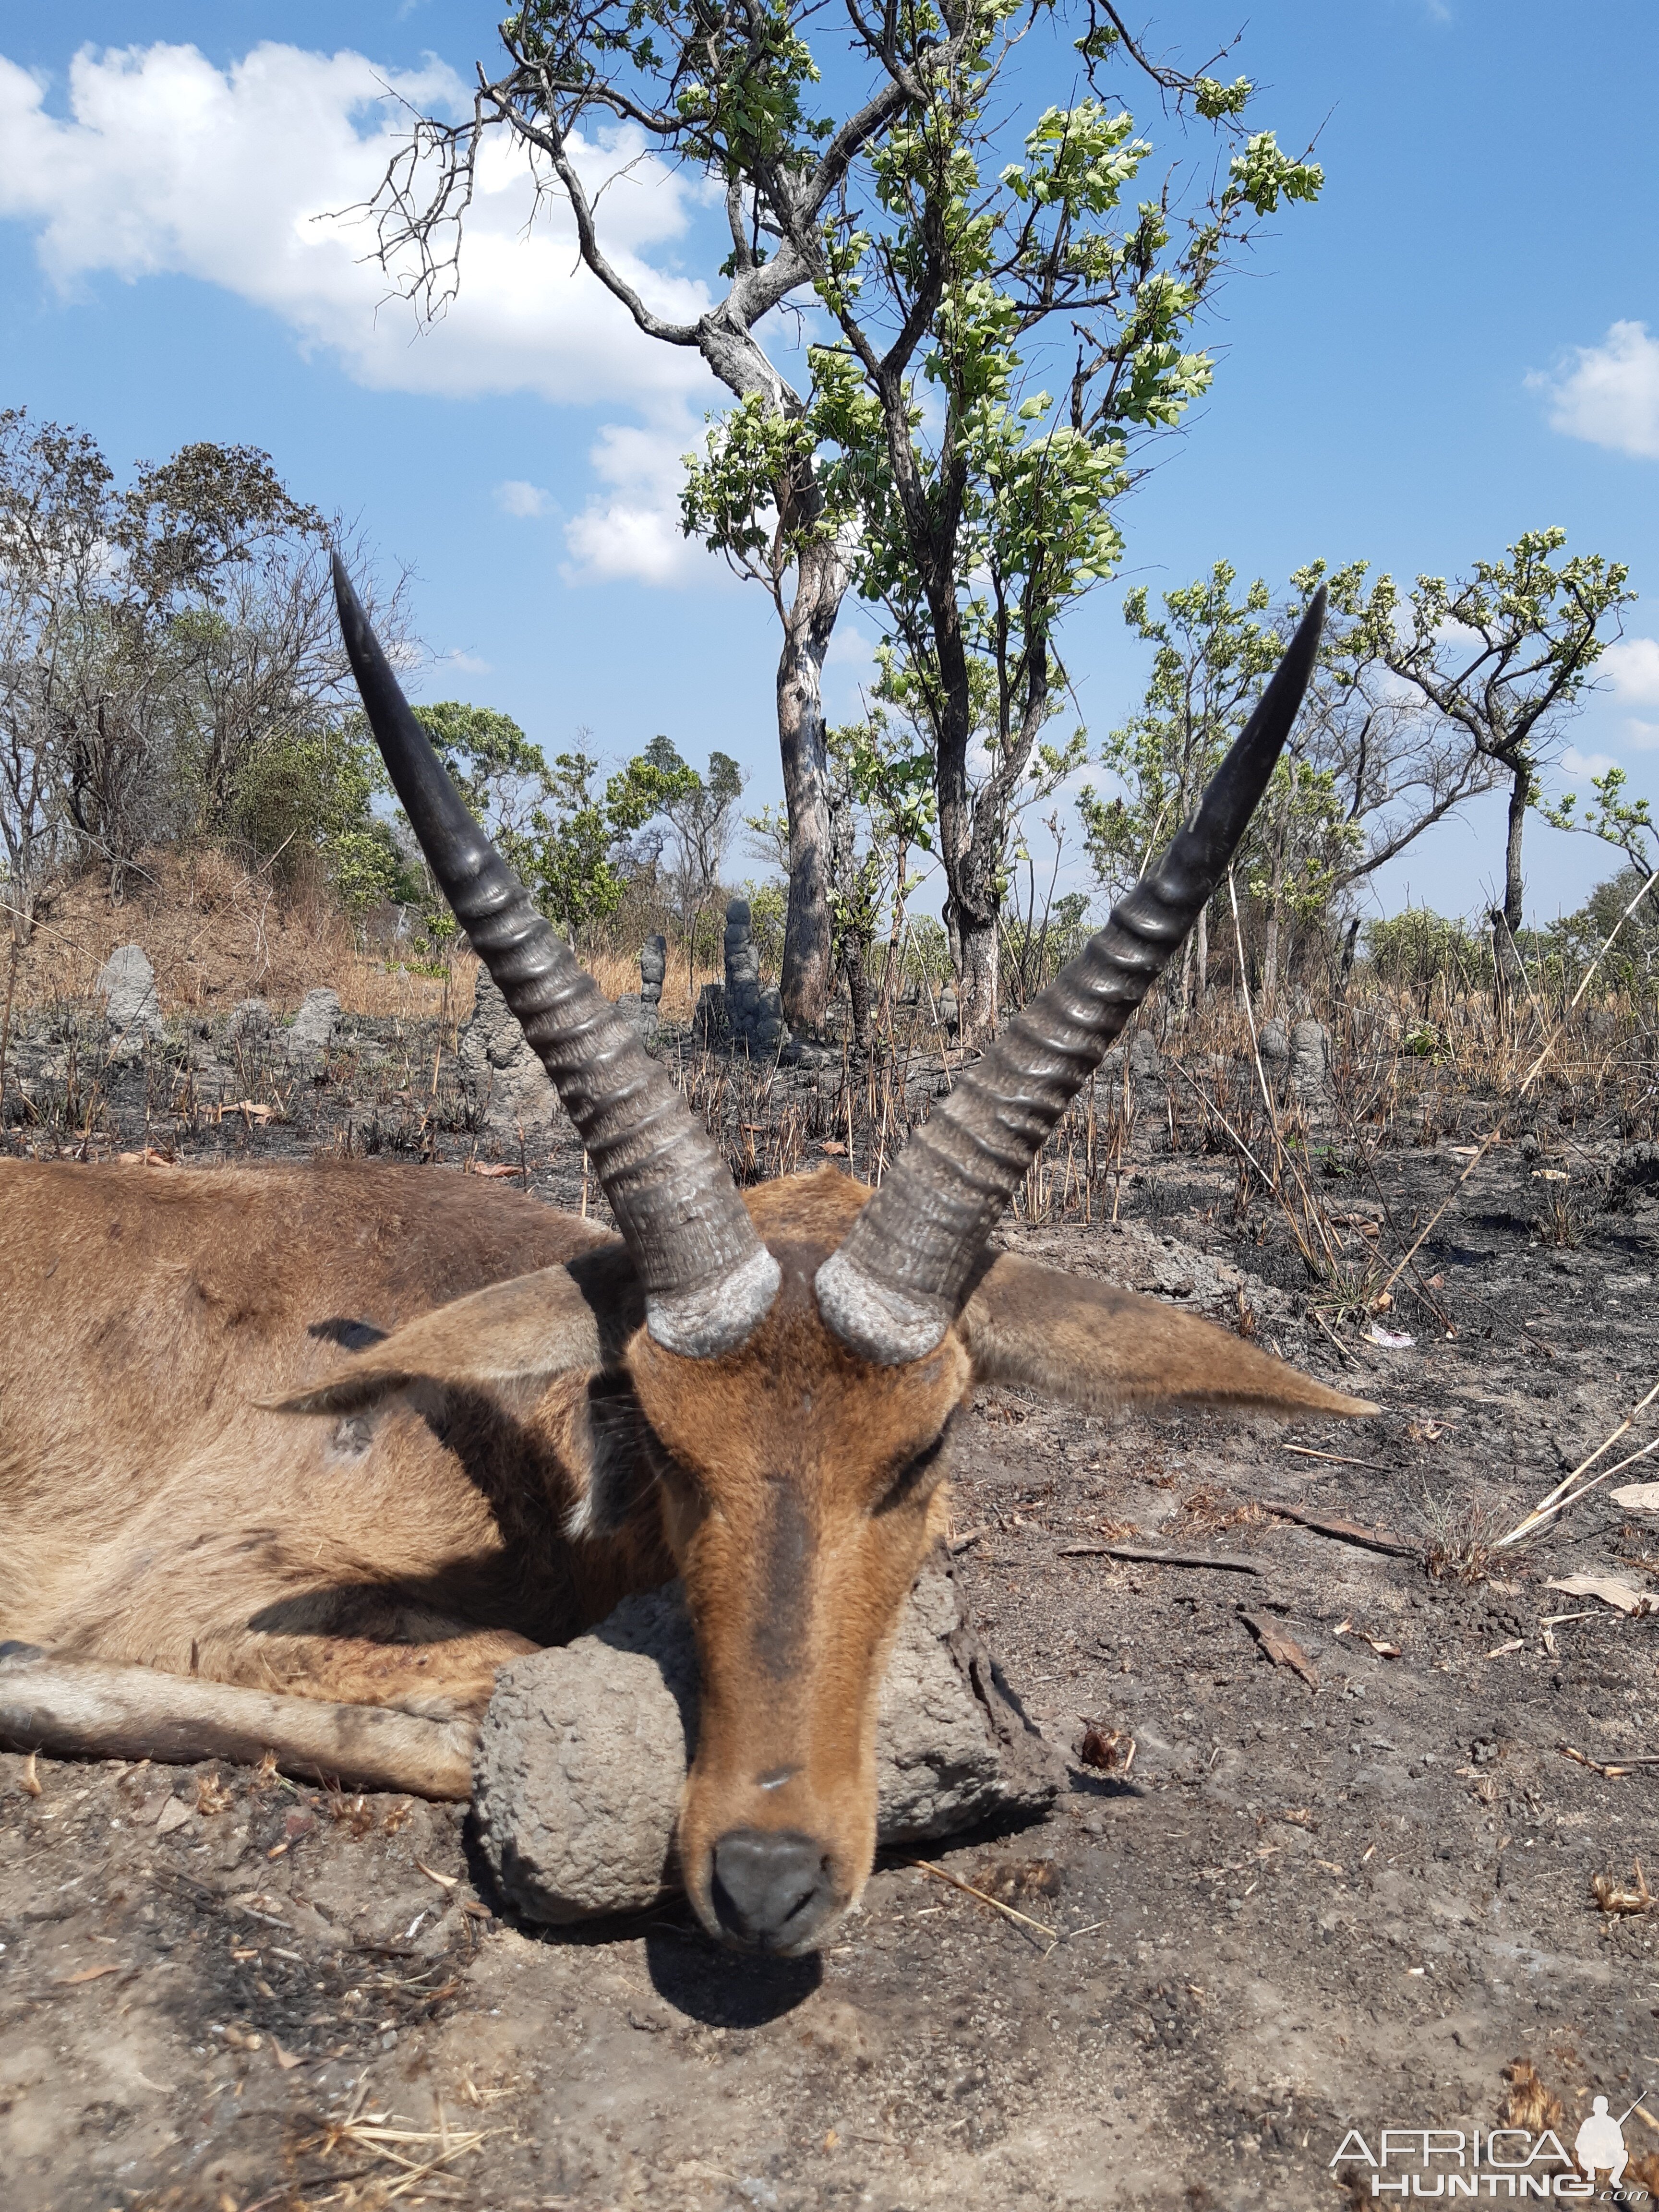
{"type": "Point", "coordinates": [1350, 1897]}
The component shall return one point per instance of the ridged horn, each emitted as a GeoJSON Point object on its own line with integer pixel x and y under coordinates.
{"type": "Point", "coordinates": [707, 1278]}
{"type": "Point", "coordinates": [899, 1280]}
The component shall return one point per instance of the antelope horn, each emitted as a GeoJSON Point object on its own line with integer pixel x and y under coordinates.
{"type": "Point", "coordinates": [899, 1280]}
{"type": "Point", "coordinates": [707, 1278]}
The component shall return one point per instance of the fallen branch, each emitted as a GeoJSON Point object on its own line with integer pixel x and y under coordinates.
{"type": "Point", "coordinates": [1150, 1555]}
{"type": "Point", "coordinates": [82, 1709]}
{"type": "Point", "coordinates": [1345, 1532]}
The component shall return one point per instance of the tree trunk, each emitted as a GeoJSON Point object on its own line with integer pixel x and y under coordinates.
{"type": "Point", "coordinates": [1514, 886]}
{"type": "Point", "coordinates": [808, 968]}
{"type": "Point", "coordinates": [977, 943]}
{"type": "Point", "coordinates": [858, 992]}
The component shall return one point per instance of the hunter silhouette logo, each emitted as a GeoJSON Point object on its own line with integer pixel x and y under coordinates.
{"type": "Point", "coordinates": [1500, 2162]}
{"type": "Point", "coordinates": [1600, 2142]}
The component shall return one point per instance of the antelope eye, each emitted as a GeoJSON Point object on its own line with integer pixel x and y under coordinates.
{"type": "Point", "coordinates": [916, 1479]}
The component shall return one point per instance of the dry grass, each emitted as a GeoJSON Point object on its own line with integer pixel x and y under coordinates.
{"type": "Point", "coordinates": [216, 933]}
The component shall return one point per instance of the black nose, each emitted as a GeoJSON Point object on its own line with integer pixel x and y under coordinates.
{"type": "Point", "coordinates": [772, 1887]}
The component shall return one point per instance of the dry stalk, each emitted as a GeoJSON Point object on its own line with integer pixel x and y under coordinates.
{"type": "Point", "coordinates": [1551, 1044]}
{"type": "Point", "coordinates": [1564, 1494]}
{"type": "Point", "coordinates": [927, 1865]}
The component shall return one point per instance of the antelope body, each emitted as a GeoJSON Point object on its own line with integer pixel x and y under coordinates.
{"type": "Point", "coordinates": [358, 1435]}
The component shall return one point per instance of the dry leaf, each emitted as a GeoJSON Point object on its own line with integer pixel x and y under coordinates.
{"type": "Point", "coordinates": [443, 1881]}
{"type": "Point", "coordinates": [1623, 1597]}
{"type": "Point", "coordinates": [834, 1147]}
{"type": "Point", "coordinates": [1391, 1340]}
{"type": "Point", "coordinates": [1502, 1650]}
{"type": "Point", "coordinates": [1526, 2103]}
{"type": "Point", "coordinates": [1614, 1896]}
{"type": "Point", "coordinates": [91, 1974]}
{"type": "Point", "coordinates": [286, 2059]}
{"type": "Point", "coordinates": [1281, 1649]}
{"type": "Point", "coordinates": [494, 1169]}
{"type": "Point", "coordinates": [29, 1781]}
{"type": "Point", "coordinates": [1111, 1749]}
{"type": "Point", "coordinates": [212, 1795]}
{"type": "Point", "coordinates": [1638, 1497]}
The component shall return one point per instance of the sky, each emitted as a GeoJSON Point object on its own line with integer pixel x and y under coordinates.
{"type": "Point", "coordinates": [1460, 342]}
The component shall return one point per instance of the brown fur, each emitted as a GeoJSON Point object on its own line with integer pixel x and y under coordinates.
{"type": "Point", "coordinates": [505, 1455]}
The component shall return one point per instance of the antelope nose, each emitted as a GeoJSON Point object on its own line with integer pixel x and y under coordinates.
{"type": "Point", "coordinates": [771, 1887]}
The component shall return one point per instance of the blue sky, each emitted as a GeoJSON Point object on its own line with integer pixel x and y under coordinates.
{"type": "Point", "coordinates": [1450, 347]}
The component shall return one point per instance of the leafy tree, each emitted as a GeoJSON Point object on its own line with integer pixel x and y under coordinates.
{"type": "Point", "coordinates": [972, 513]}
{"type": "Point", "coordinates": [1212, 655]}
{"type": "Point", "coordinates": [151, 641]}
{"type": "Point", "coordinates": [699, 812]}
{"type": "Point", "coordinates": [1627, 824]}
{"type": "Point", "coordinates": [1503, 657]}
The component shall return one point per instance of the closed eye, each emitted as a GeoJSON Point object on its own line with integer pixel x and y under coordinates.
{"type": "Point", "coordinates": [918, 1477]}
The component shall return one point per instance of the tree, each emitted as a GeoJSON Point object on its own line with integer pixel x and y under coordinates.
{"type": "Point", "coordinates": [1212, 655]}
{"type": "Point", "coordinates": [984, 510]}
{"type": "Point", "coordinates": [1503, 656]}
{"type": "Point", "coordinates": [973, 540]}
{"type": "Point", "coordinates": [700, 815]}
{"type": "Point", "coordinates": [152, 641]}
{"type": "Point", "coordinates": [1626, 824]}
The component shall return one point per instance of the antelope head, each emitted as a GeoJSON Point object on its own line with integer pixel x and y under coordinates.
{"type": "Point", "coordinates": [791, 1365]}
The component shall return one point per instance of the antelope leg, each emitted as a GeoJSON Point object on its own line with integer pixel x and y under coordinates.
{"type": "Point", "coordinates": [84, 1709]}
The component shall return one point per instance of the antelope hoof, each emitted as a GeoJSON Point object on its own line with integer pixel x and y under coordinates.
{"type": "Point", "coordinates": [772, 1889]}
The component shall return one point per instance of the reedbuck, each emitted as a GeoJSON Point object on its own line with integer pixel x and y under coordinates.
{"type": "Point", "coordinates": [298, 1458]}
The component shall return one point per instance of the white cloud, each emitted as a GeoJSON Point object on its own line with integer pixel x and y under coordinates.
{"type": "Point", "coordinates": [849, 647]}
{"type": "Point", "coordinates": [1633, 664]}
{"type": "Point", "coordinates": [1609, 394]}
{"type": "Point", "coordinates": [166, 164]}
{"type": "Point", "coordinates": [1641, 737]}
{"type": "Point", "coordinates": [470, 664]}
{"type": "Point", "coordinates": [526, 501]}
{"type": "Point", "coordinates": [1577, 763]}
{"type": "Point", "coordinates": [632, 531]}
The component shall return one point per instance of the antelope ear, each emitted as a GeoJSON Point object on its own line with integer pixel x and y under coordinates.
{"type": "Point", "coordinates": [1092, 1345]}
{"type": "Point", "coordinates": [510, 1338]}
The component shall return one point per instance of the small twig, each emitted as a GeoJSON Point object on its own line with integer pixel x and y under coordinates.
{"type": "Point", "coordinates": [1153, 1556]}
{"type": "Point", "coordinates": [1608, 1773]}
{"type": "Point", "coordinates": [1344, 1532]}
{"type": "Point", "coordinates": [1336, 1458]}
{"type": "Point", "coordinates": [927, 1865]}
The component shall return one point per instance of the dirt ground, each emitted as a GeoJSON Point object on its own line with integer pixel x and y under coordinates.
{"type": "Point", "coordinates": [1347, 1896]}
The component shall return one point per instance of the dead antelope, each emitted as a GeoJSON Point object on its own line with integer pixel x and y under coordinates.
{"type": "Point", "coordinates": [514, 1419]}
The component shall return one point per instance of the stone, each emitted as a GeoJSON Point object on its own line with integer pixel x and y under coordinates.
{"type": "Point", "coordinates": [950, 1009]}
{"type": "Point", "coordinates": [584, 1751]}
{"type": "Point", "coordinates": [312, 1029]}
{"type": "Point", "coordinates": [653, 968]}
{"type": "Point", "coordinates": [1310, 1060]}
{"type": "Point", "coordinates": [506, 1081]}
{"type": "Point", "coordinates": [641, 1015]}
{"type": "Point", "coordinates": [126, 983]}
{"type": "Point", "coordinates": [753, 1013]}
{"type": "Point", "coordinates": [1145, 1061]}
{"type": "Point", "coordinates": [1273, 1043]}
